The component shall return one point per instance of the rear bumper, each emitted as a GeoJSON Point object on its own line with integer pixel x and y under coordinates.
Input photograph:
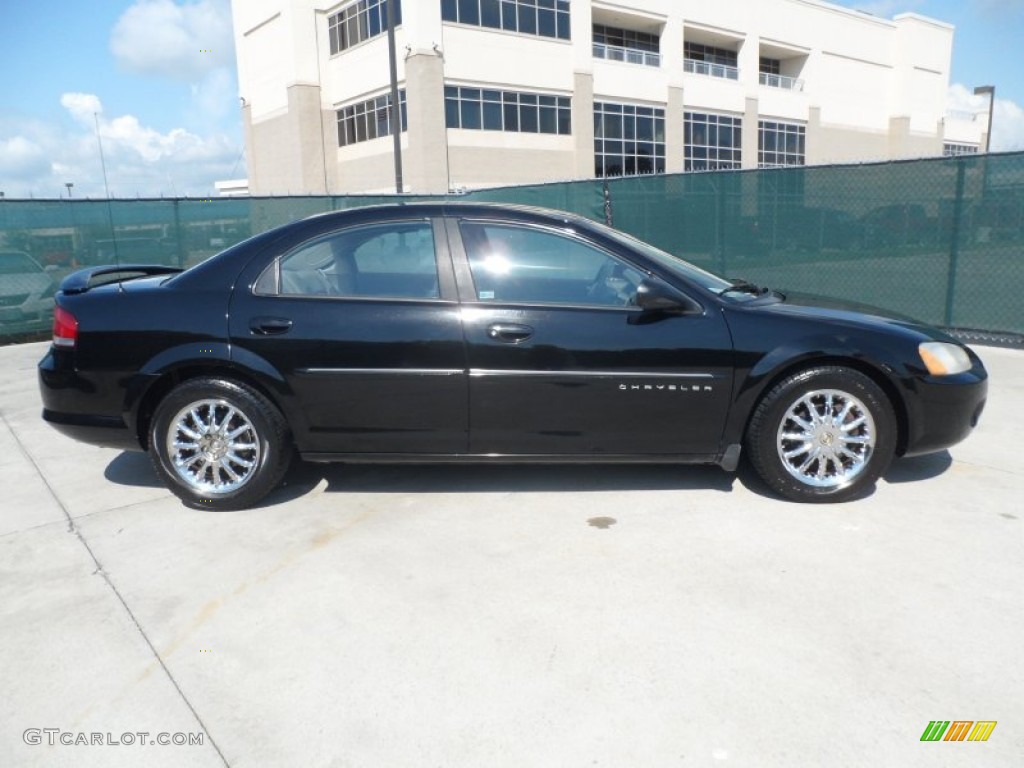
{"type": "Point", "coordinates": [943, 411]}
{"type": "Point", "coordinates": [77, 407]}
{"type": "Point", "coordinates": [109, 432]}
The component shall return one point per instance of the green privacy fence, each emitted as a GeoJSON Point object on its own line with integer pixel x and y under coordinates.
{"type": "Point", "coordinates": [941, 240]}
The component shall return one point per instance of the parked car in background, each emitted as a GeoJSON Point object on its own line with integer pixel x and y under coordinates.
{"type": "Point", "coordinates": [26, 294]}
{"type": "Point", "coordinates": [442, 332]}
{"type": "Point", "coordinates": [899, 225]}
{"type": "Point", "coordinates": [791, 227]}
{"type": "Point", "coordinates": [133, 250]}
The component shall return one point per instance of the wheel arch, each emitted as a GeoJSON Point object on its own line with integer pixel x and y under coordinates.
{"type": "Point", "coordinates": [873, 371]}
{"type": "Point", "coordinates": [167, 380]}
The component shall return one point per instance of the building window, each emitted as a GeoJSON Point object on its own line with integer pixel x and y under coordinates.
{"type": "Point", "coordinates": [626, 45]}
{"type": "Point", "coordinates": [712, 142]}
{"type": "Point", "coordinates": [482, 109]}
{"type": "Point", "coordinates": [703, 59]}
{"type": "Point", "coordinates": [360, 21]}
{"type": "Point", "coordinates": [954, 149]}
{"type": "Point", "coordinates": [545, 18]}
{"type": "Point", "coordinates": [770, 74]}
{"type": "Point", "coordinates": [780, 144]}
{"type": "Point", "coordinates": [368, 120]}
{"type": "Point", "coordinates": [710, 54]}
{"type": "Point", "coordinates": [628, 139]}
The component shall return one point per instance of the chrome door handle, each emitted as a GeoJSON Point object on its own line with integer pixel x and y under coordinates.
{"type": "Point", "coordinates": [270, 326]}
{"type": "Point", "coordinates": [510, 333]}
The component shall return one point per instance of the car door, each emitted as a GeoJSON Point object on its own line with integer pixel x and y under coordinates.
{"type": "Point", "coordinates": [363, 324]}
{"type": "Point", "coordinates": [562, 363]}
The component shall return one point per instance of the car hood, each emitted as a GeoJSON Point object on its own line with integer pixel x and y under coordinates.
{"type": "Point", "coordinates": [850, 313]}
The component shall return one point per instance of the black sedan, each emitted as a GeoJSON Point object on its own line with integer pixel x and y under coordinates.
{"type": "Point", "coordinates": [477, 333]}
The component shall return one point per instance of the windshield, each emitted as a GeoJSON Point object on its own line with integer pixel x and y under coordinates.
{"type": "Point", "coordinates": [14, 263]}
{"type": "Point", "coordinates": [674, 264]}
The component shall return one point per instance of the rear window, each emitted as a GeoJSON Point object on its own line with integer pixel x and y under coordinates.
{"type": "Point", "coordinates": [16, 264]}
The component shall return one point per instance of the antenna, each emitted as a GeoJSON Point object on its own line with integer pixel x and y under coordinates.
{"type": "Point", "coordinates": [103, 162]}
{"type": "Point", "coordinates": [106, 187]}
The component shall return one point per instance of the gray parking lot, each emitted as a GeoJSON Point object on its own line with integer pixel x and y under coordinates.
{"type": "Point", "coordinates": [508, 616]}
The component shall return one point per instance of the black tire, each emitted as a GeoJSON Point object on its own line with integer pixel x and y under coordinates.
{"type": "Point", "coordinates": [816, 470]}
{"type": "Point", "coordinates": [256, 420]}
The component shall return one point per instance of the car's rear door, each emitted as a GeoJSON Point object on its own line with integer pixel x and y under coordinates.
{"type": "Point", "coordinates": [363, 325]}
{"type": "Point", "coordinates": [561, 363]}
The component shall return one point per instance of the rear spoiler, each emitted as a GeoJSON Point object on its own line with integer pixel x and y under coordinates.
{"type": "Point", "coordinates": [84, 279]}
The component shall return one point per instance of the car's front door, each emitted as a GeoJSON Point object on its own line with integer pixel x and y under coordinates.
{"type": "Point", "coordinates": [562, 362]}
{"type": "Point", "coordinates": [363, 324]}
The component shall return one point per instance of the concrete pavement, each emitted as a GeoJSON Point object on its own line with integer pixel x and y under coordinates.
{"type": "Point", "coordinates": [508, 616]}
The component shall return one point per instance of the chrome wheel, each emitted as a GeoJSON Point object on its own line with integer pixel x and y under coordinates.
{"type": "Point", "coordinates": [826, 438]}
{"type": "Point", "coordinates": [213, 446]}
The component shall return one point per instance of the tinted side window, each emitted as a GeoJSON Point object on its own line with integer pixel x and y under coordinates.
{"type": "Point", "coordinates": [395, 260]}
{"type": "Point", "coordinates": [512, 263]}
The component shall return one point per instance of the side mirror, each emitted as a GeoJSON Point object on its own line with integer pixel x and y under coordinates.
{"type": "Point", "coordinates": [656, 296]}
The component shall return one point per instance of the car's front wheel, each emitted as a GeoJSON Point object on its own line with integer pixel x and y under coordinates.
{"type": "Point", "coordinates": [218, 444]}
{"type": "Point", "coordinates": [821, 435]}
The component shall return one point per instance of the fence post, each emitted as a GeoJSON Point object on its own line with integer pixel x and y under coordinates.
{"type": "Point", "coordinates": [954, 244]}
{"type": "Point", "coordinates": [608, 219]}
{"type": "Point", "coordinates": [720, 227]}
{"type": "Point", "coordinates": [177, 235]}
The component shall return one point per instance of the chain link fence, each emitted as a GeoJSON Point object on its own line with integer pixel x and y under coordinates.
{"type": "Point", "coordinates": [940, 240]}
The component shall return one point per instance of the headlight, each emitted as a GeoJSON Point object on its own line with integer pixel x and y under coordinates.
{"type": "Point", "coordinates": [943, 359]}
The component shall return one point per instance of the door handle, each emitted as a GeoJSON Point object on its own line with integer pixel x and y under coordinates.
{"type": "Point", "coordinates": [270, 326]}
{"type": "Point", "coordinates": [510, 333]}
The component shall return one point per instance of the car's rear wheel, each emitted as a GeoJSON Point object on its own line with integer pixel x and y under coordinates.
{"type": "Point", "coordinates": [218, 444]}
{"type": "Point", "coordinates": [824, 434]}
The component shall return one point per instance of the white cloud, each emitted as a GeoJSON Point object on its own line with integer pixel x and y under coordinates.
{"type": "Point", "coordinates": [215, 98]}
{"type": "Point", "coordinates": [82, 106]}
{"type": "Point", "coordinates": [140, 160]}
{"type": "Point", "coordinates": [181, 41]}
{"type": "Point", "coordinates": [188, 44]}
{"type": "Point", "coordinates": [1007, 126]}
{"type": "Point", "coordinates": [1007, 116]}
{"type": "Point", "coordinates": [21, 158]}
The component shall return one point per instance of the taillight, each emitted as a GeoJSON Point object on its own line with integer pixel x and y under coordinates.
{"type": "Point", "coordinates": [65, 328]}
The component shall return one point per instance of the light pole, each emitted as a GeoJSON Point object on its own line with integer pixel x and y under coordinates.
{"type": "Point", "coordinates": [396, 107]}
{"type": "Point", "coordinates": [990, 91]}
{"type": "Point", "coordinates": [69, 185]}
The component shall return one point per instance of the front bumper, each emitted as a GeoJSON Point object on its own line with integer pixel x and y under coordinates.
{"type": "Point", "coordinates": [943, 410]}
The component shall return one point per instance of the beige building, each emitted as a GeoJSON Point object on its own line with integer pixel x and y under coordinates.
{"type": "Point", "coordinates": [497, 92]}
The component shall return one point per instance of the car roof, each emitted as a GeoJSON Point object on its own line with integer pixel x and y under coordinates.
{"type": "Point", "coordinates": [449, 208]}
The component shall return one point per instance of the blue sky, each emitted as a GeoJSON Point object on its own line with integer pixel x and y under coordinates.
{"type": "Point", "coordinates": [986, 45]}
{"type": "Point", "coordinates": [161, 75]}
